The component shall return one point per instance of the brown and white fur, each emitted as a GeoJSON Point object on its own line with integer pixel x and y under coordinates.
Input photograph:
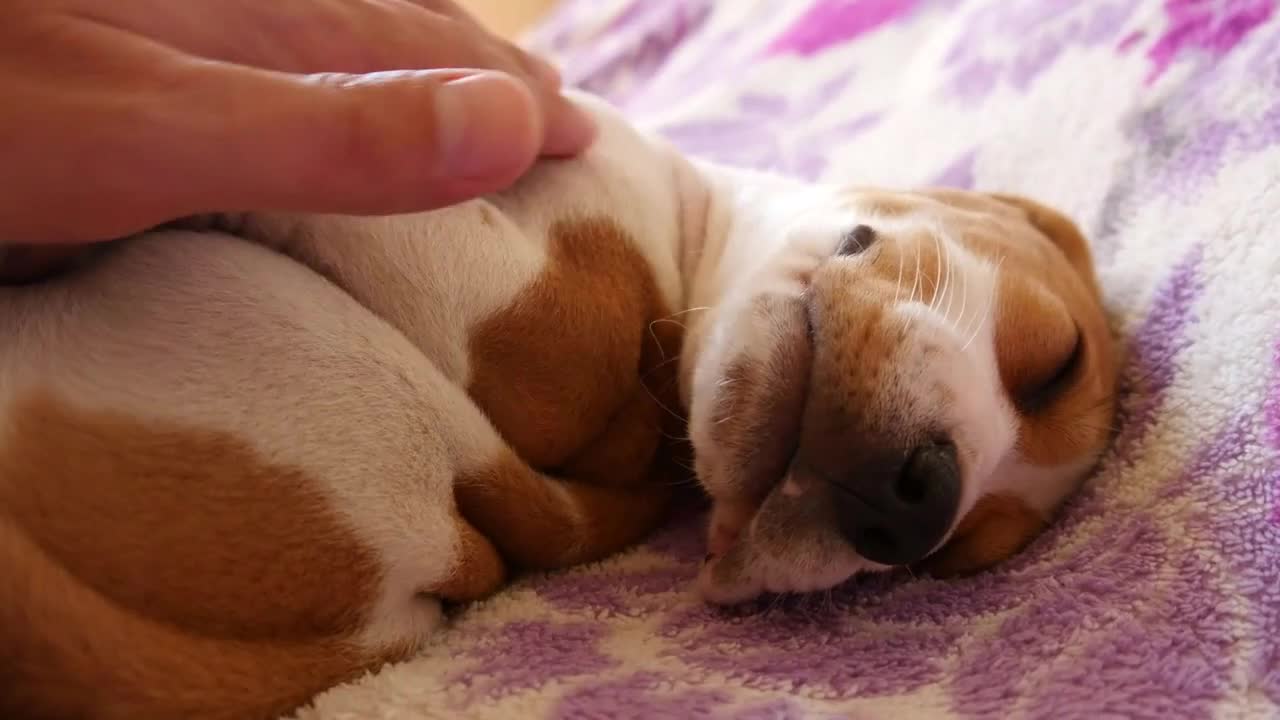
{"type": "Point", "coordinates": [242, 463]}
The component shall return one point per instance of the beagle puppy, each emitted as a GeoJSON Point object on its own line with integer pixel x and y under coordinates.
{"type": "Point", "coordinates": [249, 457]}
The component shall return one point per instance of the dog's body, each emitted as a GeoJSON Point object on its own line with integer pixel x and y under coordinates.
{"type": "Point", "coordinates": [240, 465]}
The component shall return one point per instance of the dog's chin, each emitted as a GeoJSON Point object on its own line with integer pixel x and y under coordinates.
{"type": "Point", "coordinates": [787, 544]}
{"type": "Point", "coordinates": [746, 429]}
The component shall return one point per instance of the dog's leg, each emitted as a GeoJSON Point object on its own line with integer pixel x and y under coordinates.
{"type": "Point", "coordinates": [543, 522]}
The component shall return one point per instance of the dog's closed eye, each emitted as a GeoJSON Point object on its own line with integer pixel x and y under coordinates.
{"type": "Point", "coordinates": [1045, 389]}
{"type": "Point", "coordinates": [856, 241]}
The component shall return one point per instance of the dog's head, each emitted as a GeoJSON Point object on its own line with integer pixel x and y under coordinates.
{"type": "Point", "coordinates": [913, 379]}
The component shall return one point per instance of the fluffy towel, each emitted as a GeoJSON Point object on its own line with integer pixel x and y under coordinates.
{"type": "Point", "coordinates": [1157, 595]}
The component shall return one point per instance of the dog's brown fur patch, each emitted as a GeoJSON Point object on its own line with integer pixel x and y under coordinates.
{"type": "Point", "coordinates": [478, 571]}
{"type": "Point", "coordinates": [996, 528]}
{"type": "Point", "coordinates": [155, 571]}
{"type": "Point", "coordinates": [553, 369]}
{"type": "Point", "coordinates": [542, 523]}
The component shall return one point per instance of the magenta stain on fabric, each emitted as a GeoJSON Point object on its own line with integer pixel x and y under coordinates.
{"type": "Point", "coordinates": [835, 22]}
{"type": "Point", "coordinates": [1212, 28]}
{"type": "Point", "coordinates": [528, 655]}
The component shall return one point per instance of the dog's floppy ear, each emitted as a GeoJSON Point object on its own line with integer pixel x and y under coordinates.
{"type": "Point", "coordinates": [1060, 229]}
{"type": "Point", "coordinates": [1053, 224]}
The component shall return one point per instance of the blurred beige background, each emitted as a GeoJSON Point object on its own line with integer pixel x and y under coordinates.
{"type": "Point", "coordinates": [508, 17]}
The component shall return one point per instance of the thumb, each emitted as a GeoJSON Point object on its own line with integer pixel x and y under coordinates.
{"type": "Point", "coordinates": [121, 133]}
{"type": "Point", "coordinates": [249, 139]}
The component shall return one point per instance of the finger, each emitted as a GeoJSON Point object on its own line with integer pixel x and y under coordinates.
{"type": "Point", "coordinates": [154, 135]}
{"type": "Point", "coordinates": [379, 143]}
{"type": "Point", "coordinates": [312, 36]}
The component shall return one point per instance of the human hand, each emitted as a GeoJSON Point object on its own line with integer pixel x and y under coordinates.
{"type": "Point", "coordinates": [125, 114]}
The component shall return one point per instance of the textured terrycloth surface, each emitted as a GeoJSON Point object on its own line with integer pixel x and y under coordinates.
{"type": "Point", "coordinates": [1157, 595]}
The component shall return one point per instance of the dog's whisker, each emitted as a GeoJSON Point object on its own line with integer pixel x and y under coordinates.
{"type": "Point", "coordinates": [986, 311]}
{"type": "Point", "coordinates": [662, 405]}
{"type": "Point", "coordinates": [897, 286]}
{"type": "Point", "coordinates": [916, 281]}
{"type": "Point", "coordinates": [665, 362]}
{"type": "Point", "coordinates": [936, 300]}
{"type": "Point", "coordinates": [947, 288]}
{"type": "Point", "coordinates": [686, 311]}
{"type": "Point", "coordinates": [964, 302]}
{"type": "Point", "coordinates": [672, 319]}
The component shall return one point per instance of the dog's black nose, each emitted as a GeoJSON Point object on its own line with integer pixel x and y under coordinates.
{"type": "Point", "coordinates": [896, 508]}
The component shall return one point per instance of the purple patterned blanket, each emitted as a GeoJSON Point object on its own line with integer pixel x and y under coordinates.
{"type": "Point", "coordinates": [1156, 123]}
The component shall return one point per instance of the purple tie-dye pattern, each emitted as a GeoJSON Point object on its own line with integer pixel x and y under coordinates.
{"type": "Point", "coordinates": [1154, 350]}
{"type": "Point", "coordinates": [1241, 528]}
{"type": "Point", "coordinates": [528, 655]}
{"type": "Point", "coordinates": [719, 54]}
{"type": "Point", "coordinates": [1210, 27]}
{"type": "Point", "coordinates": [959, 174]}
{"type": "Point", "coordinates": [761, 133]}
{"type": "Point", "coordinates": [653, 30]}
{"type": "Point", "coordinates": [990, 677]}
{"type": "Point", "coordinates": [1271, 417]}
{"type": "Point", "coordinates": [1016, 41]}
{"type": "Point", "coordinates": [640, 696]}
{"type": "Point", "coordinates": [782, 710]}
{"type": "Point", "coordinates": [605, 595]}
{"type": "Point", "coordinates": [1272, 411]}
{"type": "Point", "coordinates": [820, 646]}
{"type": "Point", "coordinates": [829, 23]}
{"type": "Point", "coordinates": [1191, 136]}
{"type": "Point", "coordinates": [1165, 652]}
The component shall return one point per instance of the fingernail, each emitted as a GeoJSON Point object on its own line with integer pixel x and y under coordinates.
{"type": "Point", "coordinates": [570, 129]}
{"type": "Point", "coordinates": [486, 126]}
{"type": "Point", "coordinates": [548, 74]}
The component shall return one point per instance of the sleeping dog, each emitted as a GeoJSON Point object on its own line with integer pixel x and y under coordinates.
{"type": "Point", "coordinates": [244, 459]}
